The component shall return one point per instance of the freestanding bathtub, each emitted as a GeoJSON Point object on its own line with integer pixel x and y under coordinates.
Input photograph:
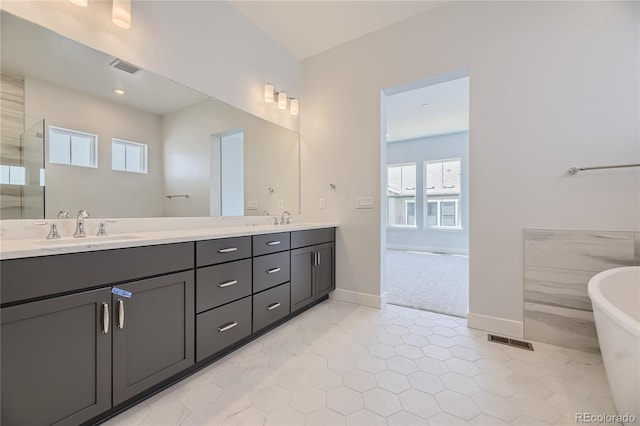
{"type": "Point", "coordinates": [615, 295]}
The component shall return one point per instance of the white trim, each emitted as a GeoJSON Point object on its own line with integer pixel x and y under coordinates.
{"type": "Point", "coordinates": [429, 249]}
{"type": "Point", "coordinates": [365, 299]}
{"type": "Point", "coordinates": [496, 325]}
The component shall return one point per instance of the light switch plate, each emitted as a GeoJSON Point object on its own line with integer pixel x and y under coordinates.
{"type": "Point", "coordinates": [364, 203]}
{"type": "Point", "coordinates": [321, 203]}
{"type": "Point", "coordinates": [252, 205]}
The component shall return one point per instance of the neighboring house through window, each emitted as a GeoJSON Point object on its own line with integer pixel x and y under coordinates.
{"type": "Point", "coordinates": [401, 194]}
{"type": "Point", "coordinates": [442, 193]}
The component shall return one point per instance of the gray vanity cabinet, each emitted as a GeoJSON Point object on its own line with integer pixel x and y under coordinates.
{"type": "Point", "coordinates": [56, 360]}
{"type": "Point", "coordinates": [153, 332]}
{"type": "Point", "coordinates": [312, 266]}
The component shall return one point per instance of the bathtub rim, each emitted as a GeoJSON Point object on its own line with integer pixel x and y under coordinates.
{"type": "Point", "coordinates": [607, 308]}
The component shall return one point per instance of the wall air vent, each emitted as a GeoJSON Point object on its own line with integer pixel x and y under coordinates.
{"type": "Point", "coordinates": [125, 66]}
{"type": "Point", "coordinates": [510, 342]}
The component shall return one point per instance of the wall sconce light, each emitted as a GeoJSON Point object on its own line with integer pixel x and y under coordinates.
{"type": "Point", "coordinates": [121, 13]}
{"type": "Point", "coordinates": [269, 94]}
{"type": "Point", "coordinates": [294, 106]}
{"type": "Point", "coordinates": [281, 98]}
{"type": "Point", "coordinates": [81, 3]}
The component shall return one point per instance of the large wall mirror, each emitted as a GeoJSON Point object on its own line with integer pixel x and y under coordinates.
{"type": "Point", "coordinates": [82, 130]}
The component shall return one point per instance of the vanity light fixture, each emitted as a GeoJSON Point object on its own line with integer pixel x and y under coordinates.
{"type": "Point", "coordinates": [121, 13]}
{"type": "Point", "coordinates": [281, 99]}
{"type": "Point", "coordinates": [81, 3]}
{"type": "Point", "coordinates": [294, 106]}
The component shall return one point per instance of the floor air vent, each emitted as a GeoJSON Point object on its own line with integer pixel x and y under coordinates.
{"type": "Point", "coordinates": [510, 342]}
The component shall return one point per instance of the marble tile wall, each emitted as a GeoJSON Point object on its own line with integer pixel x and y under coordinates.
{"type": "Point", "coordinates": [12, 126]}
{"type": "Point", "coordinates": [558, 265]}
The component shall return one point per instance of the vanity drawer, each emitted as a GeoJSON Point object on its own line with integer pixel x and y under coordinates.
{"type": "Point", "coordinates": [270, 270]}
{"type": "Point", "coordinates": [211, 252]}
{"type": "Point", "coordinates": [222, 327]}
{"type": "Point", "coordinates": [312, 237]}
{"type": "Point", "coordinates": [270, 243]}
{"type": "Point", "coordinates": [220, 284]}
{"type": "Point", "coordinates": [270, 306]}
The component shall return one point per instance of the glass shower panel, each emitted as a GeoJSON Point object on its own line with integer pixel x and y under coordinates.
{"type": "Point", "coordinates": [32, 141]}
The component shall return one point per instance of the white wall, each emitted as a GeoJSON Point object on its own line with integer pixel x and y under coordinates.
{"type": "Point", "coordinates": [453, 145]}
{"type": "Point", "coordinates": [102, 191]}
{"type": "Point", "coordinates": [553, 85]}
{"type": "Point", "coordinates": [271, 159]}
{"type": "Point", "coordinates": [206, 45]}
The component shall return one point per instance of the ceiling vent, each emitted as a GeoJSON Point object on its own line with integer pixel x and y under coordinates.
{"type": "Point", "coordinates": [125, 66]}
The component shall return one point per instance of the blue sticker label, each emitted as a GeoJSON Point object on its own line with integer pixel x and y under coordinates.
{"type": "Point", "coordinates": [121, 292]}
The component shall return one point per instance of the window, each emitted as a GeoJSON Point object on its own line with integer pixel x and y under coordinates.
{"type": "Point", "coordinates": [13, 175]}
{"type": "Point", "coordinates": [72, 148]}
{"type": "Point", "coordinates": [128, 156]}
{"type": "Point", "coordinates": [401, 194]}
{"type": "Point", "coordinates": [442, 193]}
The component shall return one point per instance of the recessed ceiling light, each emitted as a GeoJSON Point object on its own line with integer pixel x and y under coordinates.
{"type": "Point", "coordinates": [119, 91]}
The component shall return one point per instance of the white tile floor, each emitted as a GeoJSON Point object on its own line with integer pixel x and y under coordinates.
{"type": "Point", "coordinates": [345, 364]}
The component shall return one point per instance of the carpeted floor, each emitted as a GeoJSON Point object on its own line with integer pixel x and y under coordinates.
{"type": "Point", "coordinates": [428, 281]}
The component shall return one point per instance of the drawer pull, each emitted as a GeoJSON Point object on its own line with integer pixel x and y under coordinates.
{"type": "Point", "coordinates": [273, 270]}
{"type": "Point", "coordinates": [120, 314]}
{"type": "Point", "coordinates": [228, 283]}
{"type": "Point", "coordinates": [273, 243]}
{"type": "Point", "coordinates": [105, 318]}
{"type": "Point", "coordinates": [273, 306]}
{"type": "Point", "coordinates": [227, 326]}
{"type": "Point", "coordinates": [228, 250]}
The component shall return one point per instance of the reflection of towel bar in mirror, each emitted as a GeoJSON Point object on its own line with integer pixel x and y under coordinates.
{"type": "Point", "coordinates": [177, 196]}
{"type": "Point", "coordinates": [574, 170]}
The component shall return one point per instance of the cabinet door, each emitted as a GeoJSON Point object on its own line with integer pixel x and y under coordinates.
{"type": "Point", "coordinates": [153, 333]}
{"type": "Point", "coordinates": [302, 291]}
{"type": "Point", "coordinates": [56, 360]}
{"type": "Point", "coordinates": [323, 271]}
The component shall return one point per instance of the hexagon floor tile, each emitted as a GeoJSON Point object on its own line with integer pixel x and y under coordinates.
{"type": "Point", "coordinates": [345, 364]}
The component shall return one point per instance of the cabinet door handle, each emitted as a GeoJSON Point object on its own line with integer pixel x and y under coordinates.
{"type": "Point", "coordinates": [120, 314]}
{"type": "Point", "coordinates": [273, 270]}
{"type": "Point", "coordinates": [315, 258]}
{"type": "Point", "coordinates": [227, 283]}
{"type": "Point", "coordinates": [226, 327]}
{"type": "Point", "coordinates": [228, 250]}
{"type": "Point", "coordinates": [273, 306]}
{"type": "Point", "coordinates": [273, 243]}
{"type": "Point", "coordinates": [318, 257]}
{"type": "Point", "coordinates": [105, 318]}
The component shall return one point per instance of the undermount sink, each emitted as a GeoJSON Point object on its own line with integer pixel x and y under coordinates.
{"type": "Point", "coordinates": [86, 240]}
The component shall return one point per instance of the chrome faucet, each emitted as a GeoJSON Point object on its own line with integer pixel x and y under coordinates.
{"type": "Point", "coordinates": [288, 222]}
{"type": "Point", "coordinates": [82, 215]}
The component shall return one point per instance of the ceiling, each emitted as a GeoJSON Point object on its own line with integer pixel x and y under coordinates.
{"type": "Point", "coordinates": [305, 27]}
{"type": "Point", "coordinates": [34, 51]}
{"type": "Point", "coordinates": [432, 110]}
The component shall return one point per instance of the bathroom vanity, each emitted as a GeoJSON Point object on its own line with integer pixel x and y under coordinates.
{"type": "Point", "coordinates": [91, 331]}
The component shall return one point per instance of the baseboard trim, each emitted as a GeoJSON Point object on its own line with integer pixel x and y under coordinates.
{"type": "Point", "coordinates": [365, 299]}
{"type": "Point", "coordinates": [429, 249]}
{"type": "Point", "coordinates": [496, 325]}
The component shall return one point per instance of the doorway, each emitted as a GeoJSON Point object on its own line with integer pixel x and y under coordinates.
{"type": "Point", "coordinates": [227, 174]}
{"type": "Point", "coordinates": [426, 179]}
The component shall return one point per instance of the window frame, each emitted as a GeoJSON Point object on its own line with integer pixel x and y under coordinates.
{"type": "Point", "coordinates": [93, 147]}
{"type": "Point", "coordinates": [405, 198]}
{"type": "Point", "coordinates": [438, 199]}
{"type": "Point", "coordinates": [144, 157]}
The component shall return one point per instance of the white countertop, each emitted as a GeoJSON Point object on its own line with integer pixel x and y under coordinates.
{"type": "Point", "coordinates": [34, 247]}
